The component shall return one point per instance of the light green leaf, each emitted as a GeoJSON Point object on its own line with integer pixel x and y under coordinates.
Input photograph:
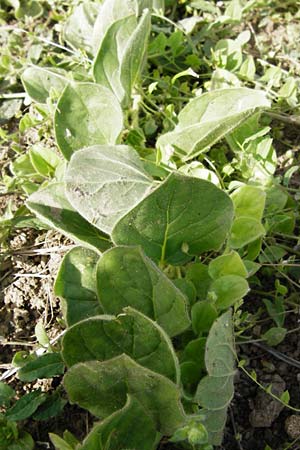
{"type": "Point", "coordinates": [234, 10]}
{"type": "Point", "coordinates": [44, 160]}
{"type": "Point", "coordinates": [59, 443]}
{"type": "Point", "coordinates": [75, 284]}
{"type": "Point", "coordinates": [127, 277]}
{"type": "Point", "coordinates": [248, 68]}
{"type": "Point", "coordinates": [104, 337]}
{"type": "Point", "coordinates": [102, 388]}
{"type": "Point", "coordinates": [215, 391]}
{"type": "Point", "coordinates": [227, 290]}
{"type": "Point", "coordinates": [52, 207]}
{"type": "Point", "coordinates": [40, 81]}
{"type": "Point", "coordinates": [45, 366]}
{"type": "Point", "coordinates": [220, 352]}
{"type": "Point", "coordinates": [104, 182]}
{"type": "Point", "coordinates": [207, 119]}
{"type": "Point", "coordinates": [8, 108]}
{"type": "Point", "coordinates": [86, 114]}
{"type": "Point", "coordinates": [121, 54]}
{"type": "Point", "coordinates": [245, 230]}
{"type": "Point", "coordinates": [116, 431]}
{"type": "Point", "coordinates": [249, 201]}
{"type": "Point", "coordinates": [110, 12]}
{"type": "Point", "coordinates": [228, 264]}
{"type": "Point", "coordinates": [183, 216]}
{"type": "Point", "coordinates": [78, 29]}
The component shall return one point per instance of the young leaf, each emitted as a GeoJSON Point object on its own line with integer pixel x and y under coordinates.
{"type": "Point", "coordinates": [104, 337]}
{"type": "Point", "coordinates": [75, 284]}
{"type": "Point", "coordinates": [78, 29]}
{"type": "Point", "coordinates": [249, 201]}
{"type": "Point", "coordinates": [52, 207]}
{"type": "Point", "coordinates": [45, 366]}
{"type": "Point", "coordinates": [245, 230]}
{"type": "Point", "coordinates": [104, 182]}
{"type": "Point", "coordinates": [121, 53]}
{"type": "Point", "coordinates": [86, 114]}
{"type": "Point", "coordinates": [227, 264]}
{"type": "Point", "coordinates": [102, 388]}
{"type": "Point", "coordinates": [40, 81]}
{"type": "Point", "coordinates": [110, 12]}
{"type": "Point", "coordinates": [227, 290]}
{"type": "Point", "coordinates": [116, 431]}
{"type": "Point", "coordinates": [208, 118]}
{"type": "Point", "coordinates": [183, 213]}
{"type": "Point", "coordinates": [127, 277]}
{"type": "Point", "coordinates": [274, 335]}
{"type": "Point", "coordinates": [44, 160]}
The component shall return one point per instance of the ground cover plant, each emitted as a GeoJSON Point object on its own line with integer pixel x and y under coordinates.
{"type": "Point", "coordinates": [176, 199]}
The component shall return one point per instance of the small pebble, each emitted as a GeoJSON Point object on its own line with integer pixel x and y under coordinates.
{"type": "Point", "coordinates": [292, 426]}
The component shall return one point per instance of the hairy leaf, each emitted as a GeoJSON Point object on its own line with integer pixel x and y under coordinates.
{"type": "Point", "coordinates": [215, 391]}
{"type": "Point", "coordinates": [116, 431]}
{"type": "Point", "coordinates": [78, 29]}
{"type": "Point", "coordinates": [127, 277]}
{"type": "Point", "coordinates": [86, 114]}
{"type": "Point", "coordinates": [102, 388]}
{"type": "Point", "coordinates": [104, 182]}
{"type": "Point", "coordinates": [208, 118]}
{"type": "Point", "coordinates": [104, 337]}
{"type": "Point", "coordinates": [52, 207]}
{"type": "Point", "coordinates": [120, 56]}
{"type": "Point", "coordinates": [39, 81]}
{"type": "Point", "coordinates": [228, 264]}
{"type": "Point", "coordinates": [183, 216]}
{"type": "Point", "coordinates": [75, 284]}
{"type": "Point", "coordinates": [227, 290]}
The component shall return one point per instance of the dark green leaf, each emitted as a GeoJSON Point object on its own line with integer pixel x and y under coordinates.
{"type": "Point", "coordinates": [127, 277]}
{"type": "Point", "coordinates": [45, 366]}
{"type": "Point", "coordinates": [183, 216]}
{"type": "Point", "coordinates": [76, 285]}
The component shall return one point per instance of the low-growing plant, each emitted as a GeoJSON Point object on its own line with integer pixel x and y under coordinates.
{"type": "Point", "coordinates": [166, 247]}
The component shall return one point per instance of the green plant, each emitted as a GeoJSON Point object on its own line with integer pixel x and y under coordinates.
{"type": "Point", "coordinates": [168, 242]}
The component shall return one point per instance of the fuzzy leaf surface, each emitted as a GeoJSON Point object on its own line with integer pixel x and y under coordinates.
{"type": "Point", "coordinates": [104, 182]}
{"type": "Point", "coordinates": [39, 81]}
{"type": "Point", "coordinates": [51, 206]}
{"type": "Point", "coordinates": [116, 431]}
{"type": "Point", "coordinates": [208, 118]}
{"type": "Point", "coordinates": [215, 391]}
{"type": "Point", "coordinates": [181, 212]}
{"type": "Point", "coordinates": [104, 337]}
{"type": "Point", "coordinates": [86, 114]}
{"type": "Point", "coordinates": [102, 388]}
{"type": "Point", "coordinates": [127, 277]}
{"type": "Point", "coordinates": [121, 54]}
